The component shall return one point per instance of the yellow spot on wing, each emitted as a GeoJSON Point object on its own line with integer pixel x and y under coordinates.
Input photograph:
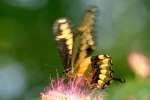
{"type": "Point", "coordinates": [104, 66]}
{"type": "Point", "coordinates": [101, 57]}
{"type": "Point", "coordinates": [69, 42]}
{"type": "Point", "coordinates": [63, 36]}
{"type": "Point", "coordinates": [106, 60]}
{"type": "Point", "coordinates": [104, 71]}
{"type": "Point", "coordinates": [91, 42]}
{"type": "Point", "coordinates": [63, 20]}
{"type": "Point", "coordinates": [64, 26]}
{"type": "Point", "coordinates": [100, 82]}
{"type": "Point", "coordinates": [69, 36]}
{"type": "Point", "coordinates": [102, 77]}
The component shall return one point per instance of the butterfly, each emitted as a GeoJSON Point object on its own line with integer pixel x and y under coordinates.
{"type": "Point", "coordinates": [77, 45]}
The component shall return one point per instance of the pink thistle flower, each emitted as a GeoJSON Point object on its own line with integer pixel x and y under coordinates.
{"type": "Point", "coordinates": [69, 89]}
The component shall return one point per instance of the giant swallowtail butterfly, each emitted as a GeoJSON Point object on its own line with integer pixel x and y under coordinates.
{"type": "Point", "coordinates": [76, 46]}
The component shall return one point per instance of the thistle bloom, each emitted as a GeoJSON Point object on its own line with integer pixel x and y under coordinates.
{"type": "Point", "coordinates": [69, 89]}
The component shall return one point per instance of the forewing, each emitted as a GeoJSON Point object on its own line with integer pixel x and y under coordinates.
{"type": "Point", "coordinates": [64, 39]}
{"type": "Point", "coordinates": [84, 41]}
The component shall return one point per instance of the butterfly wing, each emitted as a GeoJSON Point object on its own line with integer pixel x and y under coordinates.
{"type": "Point", "coordinates": [64, 38]}
{"type": "Point", "coordinates": [74, 48]}
{"type": "Point", "coordinates": [84, 42]}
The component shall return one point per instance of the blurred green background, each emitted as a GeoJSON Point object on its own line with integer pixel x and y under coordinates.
{"type": "Point", "coordinates": [29, 55]}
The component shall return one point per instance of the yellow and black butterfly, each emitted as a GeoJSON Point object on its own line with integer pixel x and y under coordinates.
{"type": "Point", "coordinates": [76, 46]}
